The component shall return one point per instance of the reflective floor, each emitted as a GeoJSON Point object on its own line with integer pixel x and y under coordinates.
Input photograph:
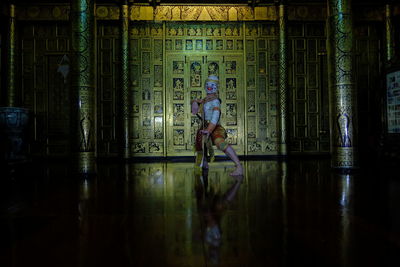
{"type": "Point", "coordinates": [296, 213]}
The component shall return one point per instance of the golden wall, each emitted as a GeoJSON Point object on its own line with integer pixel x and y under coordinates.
{"type": "Point", "coordinates": [169, 61]}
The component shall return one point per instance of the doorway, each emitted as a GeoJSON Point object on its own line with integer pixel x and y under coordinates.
{"type": "Point", "coordinates": [186, 75]}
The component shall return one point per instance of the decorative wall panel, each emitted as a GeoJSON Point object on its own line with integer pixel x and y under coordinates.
{"type": "Point", "coordinates": [309, 106]}
{"type": "Point", "coordinates": [147, 85]}
{"type": "Point", "coordinates": [262, 77]}
{"type": "Point", "coordinates": [107, 88]}
{"type": "Point", "coordinates": [210, 49]}
{"type": "Point", "coordinates": [45, 86]}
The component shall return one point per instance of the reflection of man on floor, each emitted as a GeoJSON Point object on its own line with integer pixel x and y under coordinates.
{"type": "Point", "coordinates": [211, 110]}
{"type": "Point", "coordinates": [211, 205]}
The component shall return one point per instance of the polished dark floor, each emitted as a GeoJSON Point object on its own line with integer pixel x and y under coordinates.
{"type": "Point", "coordinates": [295, 213]}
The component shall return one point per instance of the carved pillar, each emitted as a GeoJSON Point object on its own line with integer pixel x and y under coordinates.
{"type": "Point", "coordinates": [83, 82]}
{"type": "Point", "coordinates": [11, 86]}
{"type": "Point", "coordinates": [342, 87]}
{"type": "Point", "coordinates": [389, 49]}
{"type": "Point", "coordinates": [283, 81]}
{"type": "Point", "coordinates": [125, 103]}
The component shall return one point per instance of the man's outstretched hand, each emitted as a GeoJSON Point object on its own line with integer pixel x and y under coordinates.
{"type": "Point", "coordinates": [195, 107]}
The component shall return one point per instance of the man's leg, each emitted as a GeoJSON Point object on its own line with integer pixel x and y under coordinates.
{"type": "Point", "coordinates": [199, 147]}
{"type": "Point", "coordinates": [230, 152]}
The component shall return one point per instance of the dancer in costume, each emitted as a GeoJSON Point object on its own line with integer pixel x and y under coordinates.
{"type": "Point", "coordinates": [210, 108]}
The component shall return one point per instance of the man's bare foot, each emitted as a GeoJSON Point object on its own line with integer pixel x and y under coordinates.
{"type": "Point", "coordinates": [238, 171]}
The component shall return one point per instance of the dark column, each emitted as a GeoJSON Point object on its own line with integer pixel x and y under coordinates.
{"type": "Point", "coordinates": [125, 103]}
{"type": "Point", "coordinates": [343, 108]}
{"type": "Point", "coordinates": [83, 66]}
{"type": "Point", "coordinates": [283, 81]}
{"type": "Point", "coordinates": [11, 61]}
{"type": "Point", "coordinates": [389, 45]}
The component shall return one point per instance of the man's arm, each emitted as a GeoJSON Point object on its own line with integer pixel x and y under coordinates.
{"type": "Point", "coordinates": [216, 113]}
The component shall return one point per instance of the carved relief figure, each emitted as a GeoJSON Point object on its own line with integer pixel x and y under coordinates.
{"type": "Point", "coordinates": [230, 67]}
{"type": "Point", "coordinates": [232, 136]}
{"type": "Point", "coordinates": [179, 117]}
{"type": "Point", "coordinates": [195, 74]}
{"type": "Point", "coordinates": [239, 44]}
{"type": "Point", "coordinates": [178, 95]}
{"type": "Point", "coordinates": [178, 84]}
{"type": "Point", "coordinates": [231, 114]}
{"type": "Point", "coordinates": [192, 31]}
{"type": "Point", "coordinates": [198, 32]}
{"type": "Point", "coordinates": [253, 147]}
{"type": "Point", "coordinates": [213, 68]}
{"type": "Point", "coordinates": [220, 45]}
{"type": "Point", "coordinates": [154, 147]}
{"type": "Point", "coordinates": [179, 137]}
{"type": "Point", "coordinates": [177, 67]}
{"type": "Point", "coordinates": [158, 109]}
{"type": "Point", "coordinates": [230, 84]}
{"type": "Point", "coordinates": [195, 94]}
{"type": "Point", "coordinates": [168, 44]}
{"type": "Point", "coordinates": [139, 148]}
{"type": "Point", "coordinates": [209, 44]}
{"type": "Point", "coordinates": [229, 44]}
{"type": "Point", "coordinates": [189, 44]}
{"type": "Point", "coordinates": [235, 32]}
{"type": "Point", "coordinates": [146, 95]}
{"type": "Point", "coordinates": [178, 44]}
{"type": "Point", "coordinates": [199, 44]}
{"type": "Point", "coordinates": [172, 31]}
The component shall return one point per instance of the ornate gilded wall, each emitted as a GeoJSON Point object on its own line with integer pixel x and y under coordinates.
{"type": "Point", "coordinates": [169, 62]}
{"type": "Point", "coordinates": [207, 49]}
